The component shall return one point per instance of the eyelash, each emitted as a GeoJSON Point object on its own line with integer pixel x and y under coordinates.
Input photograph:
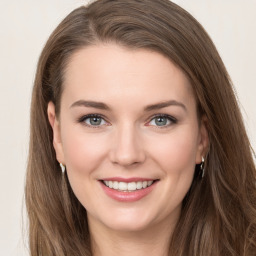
{"type": "Point", "coordinates": [83, 118]}
{"type": "Point", "coordinates": [171, 119]}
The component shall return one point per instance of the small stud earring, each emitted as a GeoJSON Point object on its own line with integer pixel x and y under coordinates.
{"type": "Point", "coordinates": [63, 168]}
{"type": "Point", "coordinates": [202, 167]}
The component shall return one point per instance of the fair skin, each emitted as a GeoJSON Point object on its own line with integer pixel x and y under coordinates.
{"type": "Point", "coordinates": [128, 140]}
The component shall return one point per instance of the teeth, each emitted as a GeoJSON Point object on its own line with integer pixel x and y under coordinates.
{"type": "Point", "coordinates": [115, 185]}
{"type": "Point", "coordinates": [131, 186]}
{"type": "Point", "coordinates": [150, 183]}
{"type": "Point", "coordinates": [139, 185]}
{"type": "Point", "coordinates": [122, 186]}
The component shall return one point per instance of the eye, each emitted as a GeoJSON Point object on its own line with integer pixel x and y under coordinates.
{"type": "Point", "coordinates": [93, 120]}
{"type": "Point", "coordinates": [162, 120]}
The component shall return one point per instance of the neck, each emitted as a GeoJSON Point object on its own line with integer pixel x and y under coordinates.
{"type": "Point", "coordinates": [154, 241]}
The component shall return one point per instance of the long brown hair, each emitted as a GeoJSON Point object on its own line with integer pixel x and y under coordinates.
{"type": "Point", "coordinates": [218, 216]}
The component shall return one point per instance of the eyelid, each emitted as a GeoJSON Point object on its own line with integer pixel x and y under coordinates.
{"type": "Point", "coordinates": [172, 120]}
{"type": "Point", "coordinates": [84, 117]}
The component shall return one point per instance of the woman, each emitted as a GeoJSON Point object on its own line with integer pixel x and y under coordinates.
{"type": "Point", "coordinates": [137, 142]}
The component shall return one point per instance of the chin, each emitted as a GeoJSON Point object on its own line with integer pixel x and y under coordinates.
{"type": "Point", "coordinates": [128, 221]}
{"type": "Point", "coordinates": [126, 226]}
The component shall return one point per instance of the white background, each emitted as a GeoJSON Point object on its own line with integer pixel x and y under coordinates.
{"type": "Point", "coordinates": [24, 28]}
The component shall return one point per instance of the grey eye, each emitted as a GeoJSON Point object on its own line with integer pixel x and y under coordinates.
{"type": "Point", "coordinates": [95, 121]}
{"type": "Point", "coordinates": [161, 121]}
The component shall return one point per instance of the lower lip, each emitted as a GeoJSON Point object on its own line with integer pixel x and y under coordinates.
{"type": "Point", "coordinates": [127, 196]}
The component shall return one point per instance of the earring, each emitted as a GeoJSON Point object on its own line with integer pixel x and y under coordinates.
{"type": "Point", "coordinates": [202, 167]}
{"type": "Point", "coordinates": [63, 168]}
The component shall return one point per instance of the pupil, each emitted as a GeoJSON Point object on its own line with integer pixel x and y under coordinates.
{"type": "Point", "coordinates": [161, 121]}
{"type": "Point", "coordinates": [95, 120]}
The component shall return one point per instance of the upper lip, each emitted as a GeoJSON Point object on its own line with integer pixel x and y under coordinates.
{"type": "Point", "coordinates": [132, 179]}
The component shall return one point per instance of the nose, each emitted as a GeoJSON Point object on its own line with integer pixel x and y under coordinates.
{"type": "Point", "coordinates": [127, 147]}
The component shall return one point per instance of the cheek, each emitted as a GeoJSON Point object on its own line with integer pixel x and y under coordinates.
{"type": "Point", "coordinates": [83, 152]}
{"type": "Point", "coordinates": [176, 156]}
{"type": "Point", "coordinates": [176, 152]}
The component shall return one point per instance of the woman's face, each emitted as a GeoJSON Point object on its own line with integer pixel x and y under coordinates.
{"type": "Point", "coordinates": [128, 118]}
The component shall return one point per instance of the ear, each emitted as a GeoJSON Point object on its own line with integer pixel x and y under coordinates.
{"type": "Point", "coordinates": [203, 140]}
{"type": "Point", "coordinates": [55, 124]}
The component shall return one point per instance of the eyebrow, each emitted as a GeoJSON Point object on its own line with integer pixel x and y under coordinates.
{"type": "Point", "coordinates": [103, 106]}
{"type": "Point", "coordinates": [90, 104]}
{"type": "Point", "coordinates": [165, 104]}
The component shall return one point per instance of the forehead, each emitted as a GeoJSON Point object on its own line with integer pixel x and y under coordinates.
{"type": "Point", "coordinates": [110, 72]}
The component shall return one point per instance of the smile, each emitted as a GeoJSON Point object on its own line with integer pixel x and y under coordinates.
{"type": "Point", "coordinates": [128, 190]}
{"type": "Point", "coordinates": [128, 186]}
